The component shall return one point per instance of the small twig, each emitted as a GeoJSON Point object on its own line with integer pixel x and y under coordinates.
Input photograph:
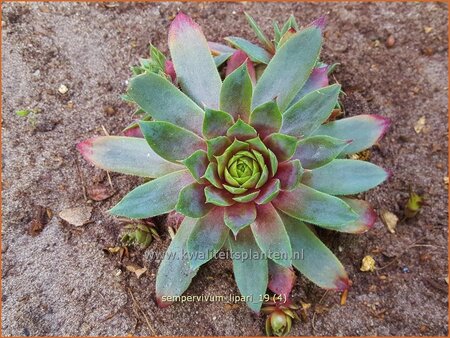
{"type": "Point", "coordinates": [142, 312]}
{"type": "Point", "coordinates": [80, 175]}
{"type": "Point", "coordinates": [104, 130]}
{"type": "Point", "coordinates": [314, 314]}
{"type": "Point", "coordinates": [109, 180]}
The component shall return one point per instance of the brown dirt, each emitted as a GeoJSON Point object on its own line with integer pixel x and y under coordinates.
{"type": "Point", "coordinates": [58, 280]}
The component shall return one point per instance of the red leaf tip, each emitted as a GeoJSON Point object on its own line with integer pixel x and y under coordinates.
{"type": "Point", "coordinates": [181, 22]}
{"type": "Point", "coordinates": [320, 22]}
{"type": "Point", "coordinates": [342, 283]}
{"type": "Point", "coordinates": [162, 304]}
{"type": "Point", "coordinates": [384, 122]}
{"type": "Point", "coordinates": [370, 218]}
{"type": "Point", "coordinates": [85, 147]}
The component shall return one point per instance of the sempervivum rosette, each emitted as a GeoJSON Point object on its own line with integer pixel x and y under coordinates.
{"type": "Point", "coordinates": [248, 160]}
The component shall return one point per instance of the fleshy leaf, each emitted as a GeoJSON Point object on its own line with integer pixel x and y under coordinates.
{"type": "Point", "coordinates": [246, 197]}
{"type": "Point", "coordinates": [269, 191]}
{"type": "Point", "coordinates": [207, 238]}
{"type": "Point", "coordinates": [289, 69]}
{"type": "Point", "coordinates": [218, 197]}
{"type": "Point", "coordinates": [241, 131]}
{"type": "Point", "coordinates": [196, 71]}
{"type": "Point", "coordinates": [170, 70]}
{"type": "Point", "coordinates": [197, 164]}
{"type": "Point", "coordinates": [239, 216]}
{"type": "Point", "coordinates": [216, 123]}
{"type": "Point", "coordinates": [316, 151]}
{"type": "Point", "coordinates": [165, 102]}
{"type": "Point", "coordinates": [363, 130]}
{"type": "Point", "coordinates": [170, 141]}
{"type": "Point", "coordinates": [216, 146]}
{"type": "Point", "coordinates": [273, 163]}
{"type": "Point", "coordinates": [310, 112]}
{"type": "Point", "coordinates": [367, 216]}
{"type": "Point", "coordinates": [313, 259]}
{"type": "Point", "coordinates": [219, 48]}
{"type": "Point", "coordinates": [249, 267]}
{"type": "Point", "coordinates": [126, 155]}
{"type": "Point", "coordinates": [271, 235]}
{"type": "Point", "coordinates": [153, 198]}
{"type": "Point", "coordinates": [283, 146]}
{"type": "Point", "coordinates": [258, 145]}
{"type": "Point", "coordinates": [281, 279]}
{"type": "Point", "coordinates": [174, 273]}
{"type": "Point", "coordinates": [212, 176]}
{"type": "Point", "coordinates": [318, 79]}
{"type": "Point", "coordinates": [236, 60]}
{"type": "Point", "coordinates": [256, 53]}
{"type": "Point", "coordinates": [289, 174]}
{"type": "Point", "coordinates": [192, 201]}
{"type": "Point", "coordinates": [345, 177]}
{"type": "Point", "coordinates": [221, 59]}
{"type": "Point", "coordinates": [260, 34]}
{"type": "Point", "coordinates": [266, 119]}
{"type": "Point", "coordinates": [312, 206]}
{"type": "Point", "coordinates": [236, 93]}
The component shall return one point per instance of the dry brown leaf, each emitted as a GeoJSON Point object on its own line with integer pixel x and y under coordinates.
{"type": "Point", "coordinates": [427, 29]}
{"type": "Point", "coordinates": [446, 279]}
{"type": "Point", "coordinates": [420, 124]}
{"type": "Point", "coordinates": [368, 264]}
{"type": "Point", "coordinates": [389, 219]}
{"type": "Point", "coordinates": [99, 192]}
{"type": "Point", "coordinates": [137, 270]}
{"type": "Point", "coordinates": [114, 249]}
{"type": "Point", "coordinates": [78, 216]}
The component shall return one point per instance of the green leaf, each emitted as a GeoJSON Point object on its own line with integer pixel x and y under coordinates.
{"type": "Point", "coordinates": [345, 177]}
{"type": "Point", "coordinates": [258, 145]}
{"type": "Point", "coordinates": [218, 197]}
{"type": "Point", "coordinates": [240, 215]}
{"type": "Point", "coordinates": [216, 146]}
{"type": "Point", "coordinates": [197, 164]}
{"type": "Point", "coordinates": [195, 68]}
{"type": "Point", "coordinates": [170, 141]}
{"type": "Point", "coordinates": [249, 267]}
{"type": "Point", "coordinates": [192, 201]}
{"type": "Point", "coordinates": [366, 216]}
{"type": "Point", "coordinates": [216, 123]}
{"type": "Point", "coordinates": [266, 119]}
{"type": "Point", "coordinates": [221, 58]}
{"type": "Point", "coordinates": [271, 235]}
{"type": "Point", "coordinates": [255, 52]}
{"type": "Point", "coordinates": [269, 192]}
{"type": "Point", "coordinates": [283, 146]}
{"type": "Point", "coordinates": [174, 273]}
{"type": "Point", "coordinates": [236, 93]}
{"type": "Point", "coordinates": [289, 174]}
{"type": "Point", "coordinates": [241, 131]}
{"type": "Point", "coordinates": [160, 98]}
{"type": "Point", "coordinates": [310, 112]}
{"type": "Point", "coordinates": [126, 155]}
{"type": "Point", "coordinates": [273, 163]}
{"type": "Point", "coordinates": [289, 69]}
{"type": "Point", "coordinates": [247, 197]}
{"type": "Point", "coordinates": [207, 238]}
{"type": "Point", "coordinates": [316, 151]}
{"type": "Point", "coordinates": [260, 34]}
{"type": "Point", "coordinates": [312, 206]}
{"type": "Point", "coordinates": [154, 198]}
{"type": "Point", "coordinates": [312, 258]}
{"type": "Point", "coordinates": [363, 130]}
{"type": "Point", "coordinates": [212, 176]}
{"type": "Point", "coordinates": [23, 112]}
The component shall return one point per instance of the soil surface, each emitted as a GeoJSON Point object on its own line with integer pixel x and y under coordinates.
{"type": "Point", "coordinates": [57, 278]}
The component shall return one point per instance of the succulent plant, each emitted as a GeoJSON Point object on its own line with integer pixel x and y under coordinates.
{"type": "Point", "coordinates": [250, 161]}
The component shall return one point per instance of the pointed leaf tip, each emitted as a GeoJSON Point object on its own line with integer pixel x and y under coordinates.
{"type": "Point", "coordinates": [320, 22]}
{"type": "Point", "coordinates": [342, 283]}
{"type": "Point", "coordinates": [85, 148]}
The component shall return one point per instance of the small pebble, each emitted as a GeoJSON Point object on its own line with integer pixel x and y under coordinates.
{"type": "Point", "coordinates": [405, 269]}
{"type": "Point", "coordinates": [390, 41]}
{"type": "Point", "coordinates": [63, 89]}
